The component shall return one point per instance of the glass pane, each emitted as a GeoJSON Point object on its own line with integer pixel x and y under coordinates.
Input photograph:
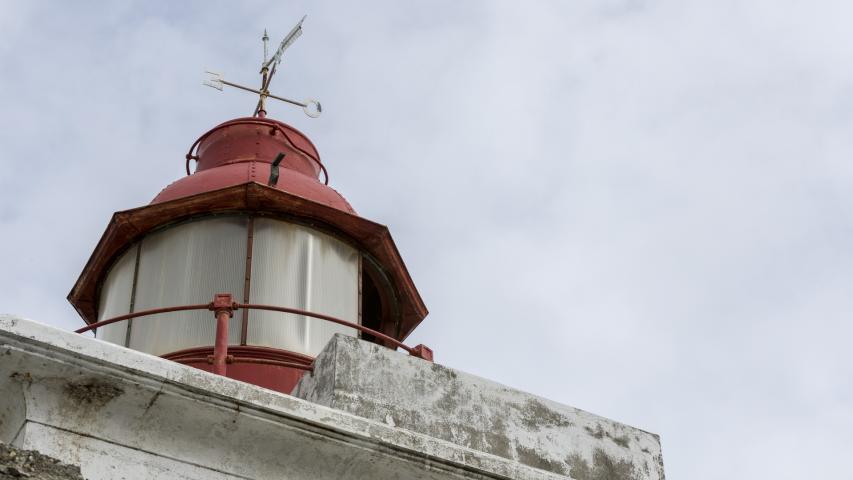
{"type": "Point", "coordinates": [294, 266]}
{"type": "Point", "coordinates": [183, 265]}
{"type": "Point", "coordinates": [115, 297]}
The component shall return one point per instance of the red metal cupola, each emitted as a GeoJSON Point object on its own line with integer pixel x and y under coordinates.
{"type": "Point", "coordinates": [255, 221]}
{"type": "Point", "coordinates": [243, 150]}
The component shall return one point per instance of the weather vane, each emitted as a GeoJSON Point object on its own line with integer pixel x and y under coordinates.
{"type": "Point", "coordinates": [311, 107]}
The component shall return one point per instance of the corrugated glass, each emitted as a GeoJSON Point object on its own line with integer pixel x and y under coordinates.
{"type": "Point", "coordinates": [294, 266]}
{"type": "Point", "coordinates": [188, 264]}
{"type": "Point", "coordinates": [115, 297]}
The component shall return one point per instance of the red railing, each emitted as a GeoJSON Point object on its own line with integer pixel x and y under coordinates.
{"type": "Point", "coordinates": [223, 308]}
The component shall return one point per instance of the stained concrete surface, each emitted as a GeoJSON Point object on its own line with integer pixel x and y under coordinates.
{"type": "Point", "coordinates": [121, 414]}
{"type": "Point", "coordinates": [18, 464]}
{"type": "Point", "coordinates": [409, 393]}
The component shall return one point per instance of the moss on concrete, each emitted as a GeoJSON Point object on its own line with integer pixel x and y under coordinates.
{"type": "Point", "coordinates": [16, 464]}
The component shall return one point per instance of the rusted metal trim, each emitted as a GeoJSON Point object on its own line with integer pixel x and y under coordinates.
{"type": "Point", "coordinates": [231, 359]}
{"type": "Point", "coordinates": [218, 307]}
{"type": "Point", "coordinates": [279, 363]}
{"type": "Point", "coordinates": [242, 351]}
{"type": "Point", "coordinates": [393, 341]}
{"type": "Point", "coordinates": [153, 311]}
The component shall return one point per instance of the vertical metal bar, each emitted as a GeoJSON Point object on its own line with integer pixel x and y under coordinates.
{"type": "Point", "coordinates": [266, 40]}
{"type": "Point", "coordinates": [133, 295]}
{"type": "Point", "coordinates": [360, 296]}
{"type": "Point", "coordinates": [223, 308]}
{"type": "Point", "coordinates": [247, 283]}
{"type": "Point", "coordinates": [220, 348]}
{"type": "Point", "coordinates": [309, 282]}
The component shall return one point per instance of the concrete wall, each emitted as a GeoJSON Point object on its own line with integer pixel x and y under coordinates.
{"type": "Point", "coordinates": [122, 414]}
{"type": "Point", "coordinates": [406, 392]}
{"type": "Point", "coordinates": [16, 464]}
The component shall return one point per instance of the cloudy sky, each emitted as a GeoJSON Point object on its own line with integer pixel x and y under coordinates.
{"type": "Point", "coordinates": [638, 208]}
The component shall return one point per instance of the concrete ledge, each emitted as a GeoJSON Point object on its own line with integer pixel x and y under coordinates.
{"type": "Point", "coordinates": [119, 413]}
{"type": "Point", "coordinates": [403, 391]}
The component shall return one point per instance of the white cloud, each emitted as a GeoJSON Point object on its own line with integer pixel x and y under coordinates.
{"type": "Point", "coordinates": [642, 209]}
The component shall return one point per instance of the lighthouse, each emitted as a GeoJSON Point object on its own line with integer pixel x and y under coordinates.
{"type": "Point", "coordinates": [256, 223]}
{"type": "Point", "coordinates": [250, 324]}
{"type": "Point", "coordinates": [249, 264]}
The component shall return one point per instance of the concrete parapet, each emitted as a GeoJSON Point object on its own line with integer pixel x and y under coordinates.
{"type": "Point", "coordinates": [118, 414]}
{"type": "Point", "coordinates": [404, 392]}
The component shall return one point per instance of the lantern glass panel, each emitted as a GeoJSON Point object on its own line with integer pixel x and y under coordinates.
{"type": "Point", "coordinates": [183, 265]}
{"type": "Point", "coordinates": [116, 294]}
{"type": "Point", "coordinates": [294, 266]}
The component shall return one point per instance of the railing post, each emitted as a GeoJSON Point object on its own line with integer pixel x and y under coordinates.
{"type": "Point", "coordinates": [422, 351]}
{"type": "Point", "coordinates": [223, 310]}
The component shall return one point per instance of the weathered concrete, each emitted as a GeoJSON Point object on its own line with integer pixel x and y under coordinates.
{"type": "Point", "coordinates": [16, 464]}
{"type": "Point", "coordinates": [119, 413]}
{"type": "Point", "coordinates": [376, 383]}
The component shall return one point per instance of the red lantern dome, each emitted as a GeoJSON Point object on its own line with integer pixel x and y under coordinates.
{"type": "Point", "coordinates": [242, 150]}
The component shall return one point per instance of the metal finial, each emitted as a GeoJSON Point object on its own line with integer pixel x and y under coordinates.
{"type": "Point", "coordinates": [266, 39]}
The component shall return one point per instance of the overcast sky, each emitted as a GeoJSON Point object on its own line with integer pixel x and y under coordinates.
{"type": "Point", "coordinates": [639, 208]}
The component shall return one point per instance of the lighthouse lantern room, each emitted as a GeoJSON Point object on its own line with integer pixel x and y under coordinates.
{"type": "Point", "coordinates": [250, 264]}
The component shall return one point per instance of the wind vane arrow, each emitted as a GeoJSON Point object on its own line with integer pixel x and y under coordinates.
{"type": "Point", "coordinates": [291, 37]}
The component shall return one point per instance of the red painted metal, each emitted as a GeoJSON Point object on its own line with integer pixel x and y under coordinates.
{"type": "Point", "coordinates": [270, 368]}
{"type": "Point", "coordinates": [370, 238]}
{"type": "Point", "coordinates": [242, 150]}
{"type": "Point", "coordinates": [393, 341]}
{"type": "Point", "coordinates": [217, 146]}
{"type": "Point", "coordinates": [264, 361]}
{"type": "Point", "coordinates": [223, 304]}
{"type": "Point", "coordinates": [141, 313]}
{"type": "Point", "coordinates": [233, 168]}
{"type": "Point", "coordinates": [223, 308]}
{"type": "Point", "coordinates": [422, 351]}
{"type": "Point", "coordinates": [229, 359]}
{"type": "Point", "coordinates": [245, 354]}
{"type": "Point", "coordinates": [231, 174]}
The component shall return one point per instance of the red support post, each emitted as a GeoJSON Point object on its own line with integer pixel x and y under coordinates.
{"type": "Point", "coordinates": [223, 309]}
